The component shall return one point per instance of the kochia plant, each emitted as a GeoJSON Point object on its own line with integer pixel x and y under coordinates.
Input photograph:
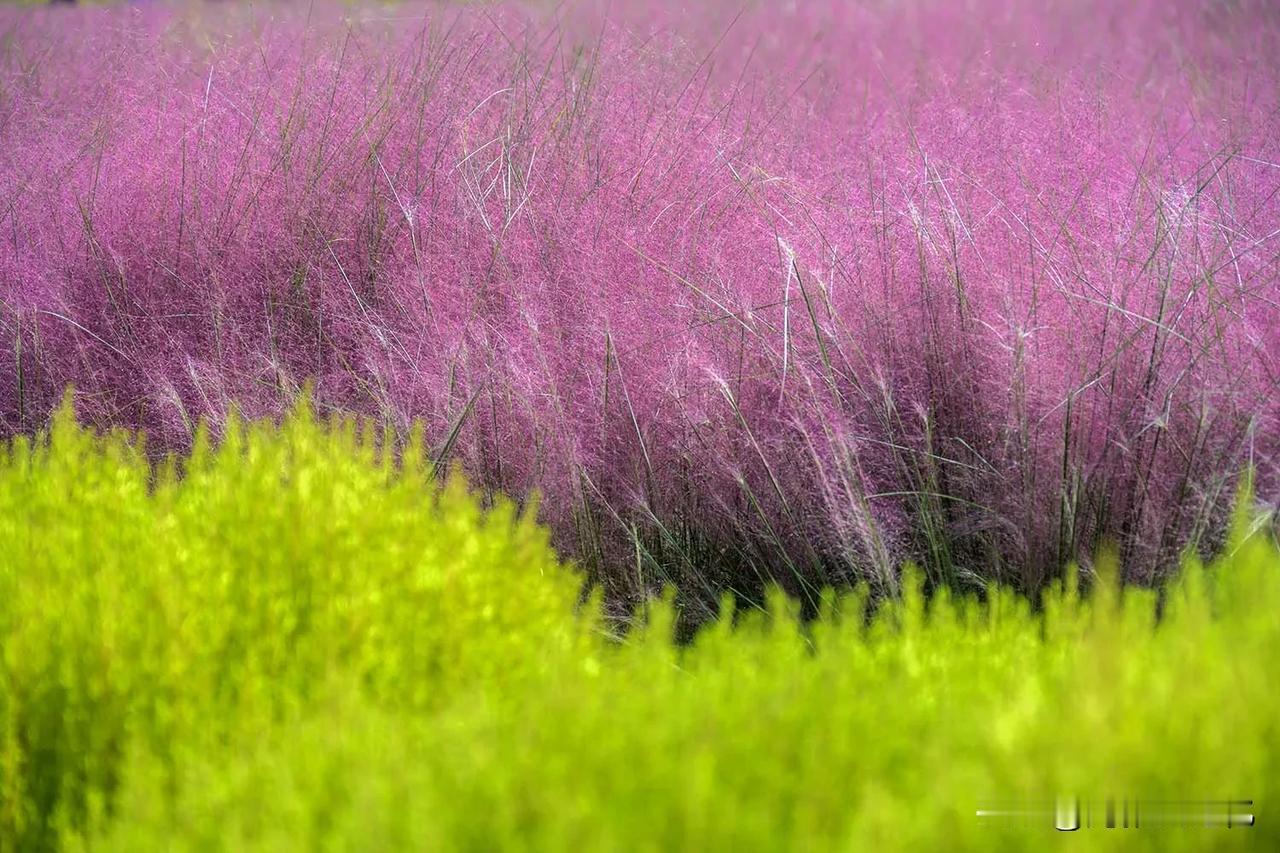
{"type": "Point", "coordinates": [301, 643]}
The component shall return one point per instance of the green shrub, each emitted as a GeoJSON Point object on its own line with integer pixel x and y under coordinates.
{"type": "Point", "coordinates": [138, 608]}
{"type": "Point", "coordinates": [300, 644]}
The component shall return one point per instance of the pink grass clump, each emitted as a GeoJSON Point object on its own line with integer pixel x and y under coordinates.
{"type": "Point", "coordinates": [792, 292]}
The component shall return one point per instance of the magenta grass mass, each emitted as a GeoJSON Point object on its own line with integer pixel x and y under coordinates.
{"type": "Point", "coordinates": [788, 292]}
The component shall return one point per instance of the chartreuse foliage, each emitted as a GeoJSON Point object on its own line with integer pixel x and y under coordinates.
{"type": "Point", "coordinates": [295, 640]}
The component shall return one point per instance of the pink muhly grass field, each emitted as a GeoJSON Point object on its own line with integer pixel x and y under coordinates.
{"type": "Point", "coordinates": [748, 292]}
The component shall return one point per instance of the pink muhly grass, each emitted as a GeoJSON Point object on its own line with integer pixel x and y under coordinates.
{"type": "Point", "coordinates": [794, 292]}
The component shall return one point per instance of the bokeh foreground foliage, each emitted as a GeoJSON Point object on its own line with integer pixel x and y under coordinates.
{"type": "Point", "coordinates": [295, 640]}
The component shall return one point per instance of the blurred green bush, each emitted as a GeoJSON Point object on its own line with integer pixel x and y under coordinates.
{"type": "Point", "coordinates": [297, 640]}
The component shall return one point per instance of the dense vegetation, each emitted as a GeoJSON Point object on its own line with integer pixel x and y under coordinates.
{"type": "Point", "coordinates": [730, 425]}
{"type": "Point", "coordinates": [296, 638]}
{"type": "Point", "coordinates": [750, 292]}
